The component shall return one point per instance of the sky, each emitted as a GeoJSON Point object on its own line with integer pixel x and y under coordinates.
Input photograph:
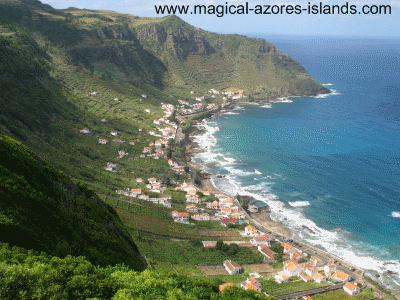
{"type": "Point", "coordinates": [356, 25]}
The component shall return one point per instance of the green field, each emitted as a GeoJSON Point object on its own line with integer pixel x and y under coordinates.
{"type": "Point", "coordinates": [184, 253]}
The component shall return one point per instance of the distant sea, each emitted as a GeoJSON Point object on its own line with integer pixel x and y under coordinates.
{"type": "Point", "coordinates": [331, 162]}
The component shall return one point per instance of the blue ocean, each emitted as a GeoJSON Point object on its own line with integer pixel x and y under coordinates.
{"type": "Point", "coordinates": [330, 163]}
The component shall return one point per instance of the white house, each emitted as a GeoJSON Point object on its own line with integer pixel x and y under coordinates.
{"type": "Point", "coordinates": [316, 261]}
{"type": "Point", "coordinates": [191, 208]}
{"type": "Point", "coordinates": [263, 239]}
{"type": "Point", "coordinates": [251, 284]}
{"type": "Point", "coordinates": [103, 141]}
{"type": "Point", "coordinates": [136, 191]}
{"type": "Point", "coordinates": [288, 248]}
{"type": "Point", "coordinates": [232, 267]}
{"type": "Point", "coordinates": [329, 269]}
{"type": "Point", "coordinates": [311, 271]}
{"type": "Point", "coordinates": [202, 217]}
{"type": "Point", "coordinates": [292, 269]}
{"type": "Point", "coordinates": [84, 130]}
{"type": "Point", "coordinates": [281, 278]}
{"type": "Point", "coordinates": [249, 229]}
{"type": "Point", "coordinates": [351, 288]}
{"type": "Point", "coordinates": [180, 217]}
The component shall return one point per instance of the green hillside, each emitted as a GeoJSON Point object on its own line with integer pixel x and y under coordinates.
{"type": "Point", "coordinates": [45, 210]}
{"type": "Point", "coordinates": [53, 61]}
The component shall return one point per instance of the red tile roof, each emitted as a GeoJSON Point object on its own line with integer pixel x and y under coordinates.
{"type": "Point", "coordinates": [223, 286]}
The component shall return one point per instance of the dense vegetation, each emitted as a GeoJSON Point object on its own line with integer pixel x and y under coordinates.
{"type": "Point", "coordinates": [45, 210]}
{"type": "Point", "coordinates": [30, 275]}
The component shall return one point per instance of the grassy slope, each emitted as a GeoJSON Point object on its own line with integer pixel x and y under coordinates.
{"type": "Point", "coordinates": [45, 210]}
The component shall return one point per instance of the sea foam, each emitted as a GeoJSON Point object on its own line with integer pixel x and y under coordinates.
{"type": "Point", "coordinates": [299, 203]}
{"type": "Point", "coordinates": [335, 242]}
{"type": "Point", "coordinates": [395, 214]}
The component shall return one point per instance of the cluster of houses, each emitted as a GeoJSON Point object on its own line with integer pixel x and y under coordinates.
{"type": "Point", "coordinates": [234, 95]}
{"type": "Point", "coordinates": [154, 186]}
{"type": "Point", "coordinates": [111, 167]}
{"type": "Point", "coordinates": [137, 193]}
{"type": "Point", "coordinates": [176, 167]}
{"type": "Point", "coordinates": [187, 108]}
{"type": "Point", "coordinates": [228, 212]}
{"type": "Point", "coordinates": [234, 268]}
{"type": "Point", "coordinates": [307, 271]}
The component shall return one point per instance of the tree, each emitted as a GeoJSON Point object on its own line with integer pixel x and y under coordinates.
{"type": "Point", "coordinates": [233, 249]}
{"type": "Point", "coordinates": [196, 242]}
{"type": "Point", "coordinates": [277, 247]}
{"type": "Point", "coordinates": [219, 245]}
{"type": "Point", "coordinates": [224, 248]}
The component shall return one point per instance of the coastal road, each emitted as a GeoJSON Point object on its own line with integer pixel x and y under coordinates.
{"type": "Point", "coordinates": [298, 295]}
{"type": "Point", "coordinates": [328, 258]}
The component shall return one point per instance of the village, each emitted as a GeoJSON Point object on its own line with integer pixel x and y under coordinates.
{"type": "Point", "coordinates": [202, 205]}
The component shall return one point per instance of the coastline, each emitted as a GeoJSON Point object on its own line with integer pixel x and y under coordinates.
{"type": "Point", "coordinates": [263, 218]}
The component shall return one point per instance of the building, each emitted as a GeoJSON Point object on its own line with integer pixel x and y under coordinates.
{"type": "Point", "coordinates": [267, 252]}
{"type": "Point", "coordinates": [191, 208]}
{"type": "Point", "coordinates": [85, 130]}
{"type": "Point", "coordinates": [351, 289]}
{"type": "Point", "coordinates": [180, 217]}
{"type": "Point", "coordinates": [232, 267]}
{"type": "Point", "coordinates": [318, 278]}
{"type": "Point", "coordinates": [292, 269]}
{"type": "Point", "coordinates": [212, 205]}
{"type": "Point", "coordinates": [225, 222]}
{"type": "Point", "coordinates": [250, 230]}
{"type": "Point", "coordinates": [223, 286]}
{"type": "Point", "coordinates": [329, 270]}
{"type": "Point", "coordinates": [287, 248]}
{"type": "Point", "coordinates": [136, 191]}
{"type": "Point", "coordinates": [202, 217]}
{"type": "Point", "coordinates": [311, 271]}
{"type": "Point", "coordinates": [114, 133]}
{"type": "Point", "coordinates": [281, 278]}
{"type": "Point", "coordinates": [263, 239]}
{"type": "Point", "coordinates": [103, 141]}
{"type": "Point", "coordinates": [341, 276]}
{"type": "Point", "coordinates": [152, 180]}
{"type": "Point", "coordinates": [250, 286]}
{"type": "Point", "coordinates": [316, 261]}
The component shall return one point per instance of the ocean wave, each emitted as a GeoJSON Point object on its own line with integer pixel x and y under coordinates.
{"type": "Point", "coordinates": [263, 186]}
{"type": "Point", "coordinates": [267, 105]}
{"type": "Point", "coordinates": [230, 113]}
{"type": "Point", "coordinates": [257, 172]}
{"type": "Point", "coordinates": [332, 93]}
{"type": "Point", "coordinates": [238, 172]}
{"type": "Point", "coordinates": [299, 203]}
{"type": "Point", "coordinates": [395, 214]}
{"type": "Point", "coordinates": [238, 108]}
{"type": "Point", "coordinates": [282, 100]}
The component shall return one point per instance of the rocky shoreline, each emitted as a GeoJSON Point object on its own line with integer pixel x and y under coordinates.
{"type": "Point", "coordinates": [262, 218]}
